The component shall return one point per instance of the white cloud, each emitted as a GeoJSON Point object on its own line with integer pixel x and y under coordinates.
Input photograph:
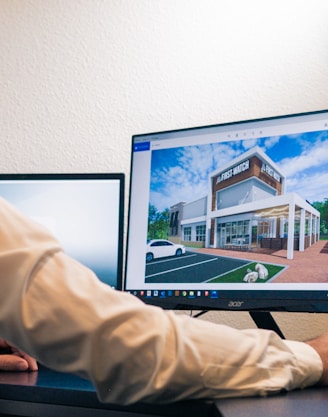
{"type": "Point", "coordinates": [311, 158]}
{"type": "Point", "coordinates": [310, 187]}
{"type": "Point", "coordinates": [271, 141]}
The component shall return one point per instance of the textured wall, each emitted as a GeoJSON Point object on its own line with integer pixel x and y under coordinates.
{"type": "Point", "coordinates": [78, 77]}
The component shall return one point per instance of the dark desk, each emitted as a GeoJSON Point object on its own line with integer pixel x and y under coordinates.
{"type": "Point", "coordinates": [303, 403]}
{"type": "Point", "coordinates": [51, 394]}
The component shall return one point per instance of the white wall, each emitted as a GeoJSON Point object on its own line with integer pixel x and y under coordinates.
{"type": "Point", "coordinates": [79, 77]}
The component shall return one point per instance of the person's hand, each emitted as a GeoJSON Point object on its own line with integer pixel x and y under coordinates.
{"type": "Point", "coordinates": [13, 359]}
{"type": "Point", "coordinates": [320, 344]}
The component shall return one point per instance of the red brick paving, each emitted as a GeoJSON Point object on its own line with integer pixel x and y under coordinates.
{"type": "Point", "coordinates": [310, 266]}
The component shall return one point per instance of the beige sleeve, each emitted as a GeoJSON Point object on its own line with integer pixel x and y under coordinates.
{"type": "Point", "coordinates": [59, 312]}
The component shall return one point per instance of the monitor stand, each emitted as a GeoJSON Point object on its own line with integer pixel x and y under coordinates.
{"type": "Point", "coordinates": [264, 320]}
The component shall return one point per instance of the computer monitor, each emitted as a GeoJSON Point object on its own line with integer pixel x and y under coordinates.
{"type": "Point", "coordinates": [83, 211]}
{"type": "Point", "coordinates": [231, 216]}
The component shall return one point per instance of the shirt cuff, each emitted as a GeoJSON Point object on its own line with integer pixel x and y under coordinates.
{"type": "Point", "coordinates": [310, 365]}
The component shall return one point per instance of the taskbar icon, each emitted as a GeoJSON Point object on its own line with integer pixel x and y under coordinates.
{"type": "Point", "coordinates": [175, 293]}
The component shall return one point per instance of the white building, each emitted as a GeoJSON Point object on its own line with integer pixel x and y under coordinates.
{"type": "Point", "coordinates": [247, 208]}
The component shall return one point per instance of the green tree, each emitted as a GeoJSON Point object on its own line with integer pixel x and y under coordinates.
{"type": "Point", "coordinates": [158, 223]}
{"type": "Point", "coordinates": [322, 207]}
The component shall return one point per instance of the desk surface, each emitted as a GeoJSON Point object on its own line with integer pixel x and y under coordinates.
{"type": "Point", "coordinates": [50, 394]}
{"type": "Point", "coordinates": [300, 403]}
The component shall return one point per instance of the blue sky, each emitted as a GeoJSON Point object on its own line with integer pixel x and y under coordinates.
{"type": "Point", "coordinates": [180, 174]}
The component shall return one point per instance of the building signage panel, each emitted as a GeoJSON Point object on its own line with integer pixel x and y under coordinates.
{"type": "Point", "coordinates": [231, 172]}
{"type": "Point", "coordinates": [270, 171]}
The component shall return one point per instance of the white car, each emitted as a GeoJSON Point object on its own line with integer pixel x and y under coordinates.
{"type": "Point", "coordinates": [160, 248]}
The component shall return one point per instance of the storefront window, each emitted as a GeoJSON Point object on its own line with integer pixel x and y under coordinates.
{"type": "Point", "coordinates": [187, 234]}
{"type": "Point", "coordinates": [200, 233]}
{"type": "Point", "coordinates": [233, 233]}
{"type": "Point", "coordinates": [264, 229]}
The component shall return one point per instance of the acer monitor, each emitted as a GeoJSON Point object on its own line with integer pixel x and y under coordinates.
{"type": "Point", "coordinates": [231, 216]}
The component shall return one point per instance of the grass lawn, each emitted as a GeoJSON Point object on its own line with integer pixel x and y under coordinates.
{"type": "Point", "coordinates": [236, 276]}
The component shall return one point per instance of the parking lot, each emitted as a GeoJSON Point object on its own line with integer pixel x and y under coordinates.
{"type": "Point", "coordinates": [193, 267]}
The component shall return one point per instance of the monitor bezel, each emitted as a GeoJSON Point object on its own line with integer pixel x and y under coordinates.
{"type": "Point", "coordinates": [115, 176]}
{"type": "Point", "coordinates": [234, 300]}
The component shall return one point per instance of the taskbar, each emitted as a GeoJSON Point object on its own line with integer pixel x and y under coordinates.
{"type": "Point", "coordinates": [144, 294]}
{"type": "Point", "coordinates": [247, 300]}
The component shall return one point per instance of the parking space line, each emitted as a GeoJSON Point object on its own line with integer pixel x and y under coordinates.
{"type": "Point", "coordinates": [182, 267]}
{"type": "Point", "coordinates": [155, 262]}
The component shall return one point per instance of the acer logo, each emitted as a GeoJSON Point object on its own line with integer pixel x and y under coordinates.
{"type": "Point", "coordinates": [235, 304]}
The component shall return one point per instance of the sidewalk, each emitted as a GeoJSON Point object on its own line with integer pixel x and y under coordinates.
{"type": "Point", "coordinates": [310, 266]}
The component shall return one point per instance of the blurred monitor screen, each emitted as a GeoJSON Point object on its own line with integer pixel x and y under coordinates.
{"type": "Point", "coordinates": [83, 211]}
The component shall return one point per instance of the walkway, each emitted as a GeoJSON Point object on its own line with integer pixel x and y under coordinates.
{"type": "Point", "coordinates": [310, 266]}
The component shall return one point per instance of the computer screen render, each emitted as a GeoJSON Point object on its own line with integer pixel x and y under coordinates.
{"type": "Point", "coordinates": [231, 216]}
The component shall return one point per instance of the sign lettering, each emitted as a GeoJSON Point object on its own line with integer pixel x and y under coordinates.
{"type": "Point", "coordinates": [238, 169]}
{"type": "Point", "coordinates": [270, 171]}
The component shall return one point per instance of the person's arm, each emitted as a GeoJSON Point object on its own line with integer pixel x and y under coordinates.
{"type": "Point", "coordinates": [56, 310]}
{"type": "Point", "coordinates": [320, 344]}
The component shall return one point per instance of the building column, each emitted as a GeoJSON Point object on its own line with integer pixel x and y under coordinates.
{"type": "Point", "coordinates": [311, 229]}
{"type": "Point", "coordinates": [291, 230]}
{"type": "Point", "coordinates": [282, 222]}
{"type": "Point", "coordinates": [208, 233]}
{"type": "Point", "coordinates": [250, 225]}
{"type": "Point", "coordinates": [317, 228]}
{"type": "Point", "coordinates": [302, 230]}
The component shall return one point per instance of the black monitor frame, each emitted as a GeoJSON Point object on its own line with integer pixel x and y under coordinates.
{"type": "Point", "coordinates": [109, 176]}
{"type": "Point", "coordinates": [296, 300]}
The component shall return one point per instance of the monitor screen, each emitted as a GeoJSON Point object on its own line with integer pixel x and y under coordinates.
{"type": "Point", "coordinates": [83, 211]}
{"type": "Point", "coordinates": [231, 216]}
